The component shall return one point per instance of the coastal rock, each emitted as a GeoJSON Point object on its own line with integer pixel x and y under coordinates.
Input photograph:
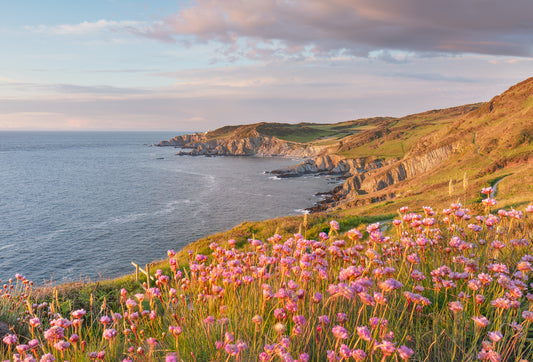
{"type": "Point", "coordinates": [253, 145]}
{"type": "Point", "coordinates": [373, 182]}
{"type": "Point", "coordinates": [332, 165]}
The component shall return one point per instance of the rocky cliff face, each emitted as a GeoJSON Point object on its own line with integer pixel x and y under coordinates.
{"type": "Point", "coordinates": [373, 181]}
{"type": "Point", "coordinates": [331, 164]}
{"type": "Point", "coordinates": [183, 141]}
{"type": "Point", "coordinates": [252, 145]}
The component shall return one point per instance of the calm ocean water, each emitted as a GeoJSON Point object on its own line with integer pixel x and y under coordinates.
{"type": "Point", "coordinates": [86, 204]}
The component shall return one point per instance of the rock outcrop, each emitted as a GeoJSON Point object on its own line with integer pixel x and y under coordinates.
{"type": "Point", "coordinates": [376, 180]}
{"type": "Point", "coordinates": [252, 145]}
{"type": "Point", "coordinates": [331, 165]}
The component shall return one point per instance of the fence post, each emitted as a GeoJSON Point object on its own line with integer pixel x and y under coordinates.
{"type": "Point", "coordinates": [147, 276]}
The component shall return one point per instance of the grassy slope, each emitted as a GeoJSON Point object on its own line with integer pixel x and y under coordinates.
{"type": "Point", "coordinates": [510, 114]}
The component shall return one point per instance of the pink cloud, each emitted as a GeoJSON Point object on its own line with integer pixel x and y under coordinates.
{"type": "Point", "coordinates": [356, 27]}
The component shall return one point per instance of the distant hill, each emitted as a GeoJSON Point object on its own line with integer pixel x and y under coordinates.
{"type": "Point", "coordinates": [448, 153]}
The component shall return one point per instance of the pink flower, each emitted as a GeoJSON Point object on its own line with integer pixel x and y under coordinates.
{"type": "Point", "coordinates": [323, 319]}
{"type": "Point", "coordinates": [364, 333]}
{"type": "Point", "coordinates": [62, 345]}
{"type": "Point", "coordinates": [257, 319]}
{"type": "Point", "coordinates": [299, 320]}
{"type": "Point", "coordinates": [390, 285]}
{"type": "Point", "coordinates": [35, 322]}
{"type": "Point", "coordinates": [345, 351]}
{"type": "Point", "coordinates": [456, 306]}
{"type": "Point", "coordinates": [109, 334]}
{"type": "Point", "coordinates": [232, 349]}
{"type": "Point", "coordinates": [495, 336]}
{"type": "Point", "coordinates": [404, 352]}
{"type": "Point", "coordinates": [228, 337]}
{"type": "Point", "coordinates": [354, 234]}
{"type": "Point", "coordinates": [527, 315]}
{"type": "Point", "coordinates": [10, 339]}
{"type": "Point", "coordinates": [54, 333]}
{"type": "Point", "coordinates": [386, 347]}
{"type": "Point", "coordinates": [78, 314]}
{"type": "Point", "coordinates": [47, 358]}
{"type": "Point", "coordinates": [334, 225]}
{"type": "Point", "coordinates": [339, 332]}
{"type": "Point", "coordinates": [171, 357]}
{"type": "Point", "coordinates": [130, 303]}
{"type": "Point", "coordinates": [152, 341]}
{"type": "Point", "coordinates": [358, 354]}
{"type": "Point", "coordinates": [175, 330]}
{"type": "Point", "coordinates": [481, 321]}
{"type": "Point", "coordinates": [21, 348]}
{"type": "Point", "coordinates": [105, 320]}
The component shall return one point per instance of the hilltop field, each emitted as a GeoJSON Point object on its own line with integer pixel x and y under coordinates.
{"type": "Point", "coordinates": [422, 254]}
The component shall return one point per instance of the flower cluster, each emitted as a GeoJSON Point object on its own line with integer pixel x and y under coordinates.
{"type": "Point", "coordinates": [442, 286]}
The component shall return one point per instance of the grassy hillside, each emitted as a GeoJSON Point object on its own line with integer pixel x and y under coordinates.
{"type": "Point", "coordinates": [369, 280]}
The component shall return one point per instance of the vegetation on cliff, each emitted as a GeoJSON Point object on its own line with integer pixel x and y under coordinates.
{"type": "Point", "coordinates": [392, 279]}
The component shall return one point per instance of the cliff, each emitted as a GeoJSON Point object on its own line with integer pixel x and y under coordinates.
{"type": "Point", "coordinates": [254, 144]}
{"type": "Point", "coordinates": [384, 159]}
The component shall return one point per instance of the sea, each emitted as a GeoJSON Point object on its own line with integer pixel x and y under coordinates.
{"type": "Point", "coordinates": [84, 205]}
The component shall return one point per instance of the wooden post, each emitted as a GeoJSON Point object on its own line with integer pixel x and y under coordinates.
{"type": "Point", "coordinates": [147, 276]}
{"type": "Point", "coordinates": [136, 272]}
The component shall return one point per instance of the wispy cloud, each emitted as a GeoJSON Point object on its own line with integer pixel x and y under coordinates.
{"type": "Point", "coordinates": [141, 28]}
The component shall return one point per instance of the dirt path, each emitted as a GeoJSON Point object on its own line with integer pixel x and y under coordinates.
{"type": "Point", "coordinates": [495, 187]}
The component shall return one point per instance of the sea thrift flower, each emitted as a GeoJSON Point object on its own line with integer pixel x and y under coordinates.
{"type": "Point", "coordinates": [47, 358]}
{"type": "Point", "coordinates": [495, 336]}
{"type": "Point", "coordinates": [257, 319]}
{"type": "Point", "coordinates": [34, 322]}
{"type": "Point", "coordinates": [171, 357]}
{"type": "Point", "coordinates": [527, 315]}
{"type": "Point", "coordinates": [345, 351]}
{"type": "Point", "coordinates": [405, 353]}
{"type": "Point", "coordinates": [54, 333]}
{"type": "Point", "coordinates": [358, 354]}
{"type": "Point", "coordinates": [339, 332]}
{"type": "Point", "coordinates": [456, 306]}
{"type": "Point", "coordinates": [109, 334]}
{"type": "Point", "coordinates": [62, 345]}
{"type": "Point", "coordinates": [10, 339]}
{"type": "Point", "coordinates": [364, 333]}
{"type": "Point", "coordinates": [390, 285]}
{"type": "Point", "coordinates": [386, 347]}
{"type": "Point", "coordinates": [105, 320]}
{"type": "Point", "coordinates": [481, 321]}
{"type": "Point", "coordinates": [80, 313]}
{"type": "Point", "coordinates": [334, 225]}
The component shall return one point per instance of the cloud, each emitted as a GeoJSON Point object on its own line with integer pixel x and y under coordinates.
{"type": "Point", "coordinates": [139, 28]}
{"type": "Point", "coordinates": [288, 28]}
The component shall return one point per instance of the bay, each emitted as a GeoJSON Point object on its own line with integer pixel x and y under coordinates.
{"type": "Point", "coordinates": [85, 204]}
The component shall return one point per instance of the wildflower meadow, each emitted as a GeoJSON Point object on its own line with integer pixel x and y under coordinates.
{"type": "Point", "coordinates": [446, 285]}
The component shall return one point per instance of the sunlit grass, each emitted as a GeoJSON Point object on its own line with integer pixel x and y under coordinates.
{"type": "Point", "coordinates": [429, 286]}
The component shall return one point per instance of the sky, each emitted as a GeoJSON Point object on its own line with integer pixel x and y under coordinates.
{"type": "Point", "coordinates": [195, 65]}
